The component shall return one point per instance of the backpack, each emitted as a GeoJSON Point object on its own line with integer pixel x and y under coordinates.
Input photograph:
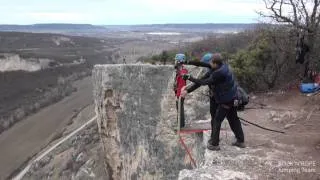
{"type": "Point", "coordinates": [242, 97]}
{"type": "Point", "coordinates": [309, 87]}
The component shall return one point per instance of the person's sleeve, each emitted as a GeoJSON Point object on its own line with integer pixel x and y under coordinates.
{"type": "Point", "coordinates": [195, 86]}
{"type": "Point", "coordinates": [199, 64]}
{"type": "Point", "coordinates": [184, 71]}
{"type": "Point", "coordinates": [206, 81]}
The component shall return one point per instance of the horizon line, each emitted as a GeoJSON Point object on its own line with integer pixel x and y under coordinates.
{"type": "Point", "coordinates": [142, 24]}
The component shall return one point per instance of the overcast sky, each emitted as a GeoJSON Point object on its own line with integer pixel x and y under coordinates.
{"type": "Point", "coordinates": [115, 12]}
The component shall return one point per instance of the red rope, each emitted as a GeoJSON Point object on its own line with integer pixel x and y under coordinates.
{"type": "Point", "coordinates": [184, 144]}
{"type": "Point", "coordinates": [188, 151]}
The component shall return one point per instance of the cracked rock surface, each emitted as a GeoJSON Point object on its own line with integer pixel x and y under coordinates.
{"type": "Point", "coordinates": [136, 116]}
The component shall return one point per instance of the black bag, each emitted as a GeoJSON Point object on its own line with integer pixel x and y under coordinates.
{"type": "Point", "coordinates": [242, 97]}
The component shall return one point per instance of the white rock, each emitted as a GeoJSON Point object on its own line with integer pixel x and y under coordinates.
{"type": "Point", "coordinates": [289, 125]}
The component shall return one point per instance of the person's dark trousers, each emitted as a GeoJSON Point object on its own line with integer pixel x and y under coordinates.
{"type": "Point", "coordinates": [220, 112]}
{"type": "Point", "coordinates": [213, 110]}
{"type": "Point", "coordinates": [182, 123]}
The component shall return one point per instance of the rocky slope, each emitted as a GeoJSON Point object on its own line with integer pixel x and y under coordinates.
{"type": "Point", "coordinates": [77, 158]}
{"type": "Point", "coordinates": [136, 117]}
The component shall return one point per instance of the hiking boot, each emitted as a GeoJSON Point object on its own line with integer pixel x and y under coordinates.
{"type": "Point", "coordinates": [210, 141]}
{"type": "Point", "coordinates": [213, 148]}
{"type": "Point", "coordinates": [239, 144]}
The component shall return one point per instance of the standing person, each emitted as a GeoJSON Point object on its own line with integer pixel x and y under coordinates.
{"type": "Point", "coordinates": [223, 91]}
{"type": "Point", "coordinates": [179, 84]}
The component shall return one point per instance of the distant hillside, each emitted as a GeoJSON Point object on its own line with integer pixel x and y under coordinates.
{"type": "Point", "coordinates": [88, 28]}
{"type": "Point", "coordinates": [51, 27]}
{"type": "Point", "coordinates": [184, 27]}
{"type": "Point", "coordinates": [38, 69]}
{"type": "Point", "coordinates": [196, 26]}
{"type": "Point", "coordinates": [60, 48]}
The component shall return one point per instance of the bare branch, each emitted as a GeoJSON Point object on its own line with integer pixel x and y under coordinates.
{"type": "Point", "coordinates": [300, 16]}
{"type": "Point", "coordinates": [318, 16]}
{"type": "Point", "coordinates": [305, 11]}
{"type": "Point", "coordinates": [278, 13]}
{"type": "Point", "coordinates": [314, 11]}
{"type": "Point", "coordinates": [294, 8]}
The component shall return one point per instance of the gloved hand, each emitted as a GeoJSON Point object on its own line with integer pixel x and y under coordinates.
{"type": "Point", "coordinates": [186, 76]}
{"type": "Point", "coordinates": [184, 92]}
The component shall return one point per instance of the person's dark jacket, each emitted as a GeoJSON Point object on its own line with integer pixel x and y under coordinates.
{"type": "Point", "coordinates": [195, 86]}
{"type": "Point", "coordinates": [221, 82]}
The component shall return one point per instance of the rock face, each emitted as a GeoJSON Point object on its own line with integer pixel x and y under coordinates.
{"type": "Point", "coordinates": [136, 116]}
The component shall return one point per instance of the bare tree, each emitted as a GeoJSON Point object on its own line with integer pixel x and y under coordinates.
{"type": "Point", "coordinates": [304, 17]}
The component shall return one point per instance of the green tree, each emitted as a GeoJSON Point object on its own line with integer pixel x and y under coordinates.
{"type": "Point", "coordinates": [164, 57]}
{"type": "Point", "coordinates": [261, 64]}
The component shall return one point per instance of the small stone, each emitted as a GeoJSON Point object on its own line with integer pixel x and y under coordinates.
{"type": "Point", "coordinates": [90, 163]}
{"type": "Point", "coordinates": [81, 157]}
{"type": "Point", "coordinates": [276, 119]}
{"type": "Point", "coordinates": [44, 161]}
{"type": "Point", "coordinates": [289, 125]}
{"type": "Point", "coordinates": [68, 162]}
{"type": "Point", "coordinates": [272, 114]}
{"type": "Point", "coordinates": [36, 166]}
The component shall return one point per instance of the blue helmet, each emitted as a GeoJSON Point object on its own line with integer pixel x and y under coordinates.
{"type": "Point", "coordinates": [180, 58]}
{"type": "Point", "coordinates": [207, 58]}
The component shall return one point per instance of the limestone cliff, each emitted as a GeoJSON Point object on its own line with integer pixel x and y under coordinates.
{"type": "Point", "coordinates": [136, 109]}
{"type": "Point", "coordinates": [136, 116]}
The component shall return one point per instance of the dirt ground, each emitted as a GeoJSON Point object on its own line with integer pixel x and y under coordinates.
{"type": "Point", "coordinates": [269, 155]}
{"type": "Point", "coordinates": [296, 154]}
